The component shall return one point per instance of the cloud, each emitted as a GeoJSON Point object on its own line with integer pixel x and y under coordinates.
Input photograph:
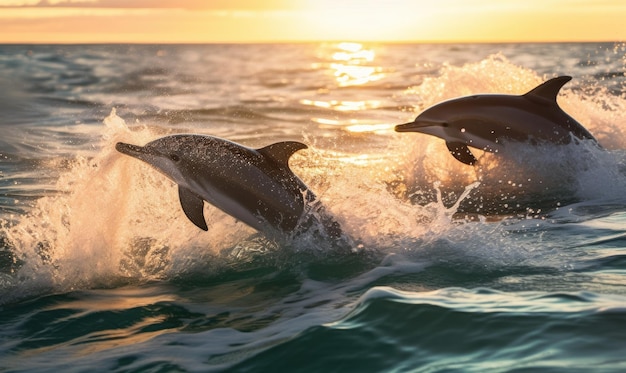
{"type": "Point", "coordinates": [153, 4]}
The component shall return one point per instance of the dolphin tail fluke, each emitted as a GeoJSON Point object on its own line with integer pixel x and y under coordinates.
{"type": "Point", "coordinates": [461, 152]}
{"type": "Point", "coordinates": [193, 206]}
{"type": "Point", "coordinates": [549, 89]}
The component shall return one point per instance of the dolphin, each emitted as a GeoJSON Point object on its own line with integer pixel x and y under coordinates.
{"type": "Point", "coordinates": [487, 121]}
{"type": "Point", "coordinates": [256, 186]}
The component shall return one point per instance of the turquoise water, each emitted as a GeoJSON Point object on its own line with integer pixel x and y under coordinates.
{"type": "Point", "coordinates": [515, 265]}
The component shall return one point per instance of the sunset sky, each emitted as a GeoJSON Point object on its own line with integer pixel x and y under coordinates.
{"type": "Point", "coordinates": [214, 21]}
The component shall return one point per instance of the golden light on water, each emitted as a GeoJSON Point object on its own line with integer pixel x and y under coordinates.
{"type": "Point", "coordinates": [355, 125]}
{"type": "Point", "coordinates": [341, 105]}
{"type": "Point", "coordinates": [375, 128]}
{"type": "Point", "coordinates": [351, 51]}
{"type": "Point", "coordinates": [362, 160]}
{"type": "Point", "coordinates": [349, 75]}
{"type": "Point", "coordinates": [352, 67]}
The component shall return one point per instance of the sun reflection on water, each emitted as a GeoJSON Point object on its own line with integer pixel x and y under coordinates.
{"type": "Point", "coordinates": [379, 128]}
{"type": "Point", "coordinates": [351, 67]}
{"type": "Point", "coordinates": [353, 52]}
{"type": "Point", "coordinates": [342, 105]}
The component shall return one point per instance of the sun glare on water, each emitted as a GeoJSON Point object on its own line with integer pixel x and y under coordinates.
{"type": "Point", "coordinates": [352, 64]}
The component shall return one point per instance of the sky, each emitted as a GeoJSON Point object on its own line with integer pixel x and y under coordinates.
{"type": "Point", "coordinates": [245, 21]}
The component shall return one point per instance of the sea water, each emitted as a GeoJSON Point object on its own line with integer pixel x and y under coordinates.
{"type": "Point", "coordinates": [515, 264]}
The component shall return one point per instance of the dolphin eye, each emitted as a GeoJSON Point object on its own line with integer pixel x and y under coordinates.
{"type": "Point", "coordinates": [174, 157]}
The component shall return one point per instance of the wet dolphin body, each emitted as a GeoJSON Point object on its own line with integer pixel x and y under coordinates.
{"type": "Point", "coordinates": [255, 186]}
{"type": "Point", "coordinates": [485, 121]}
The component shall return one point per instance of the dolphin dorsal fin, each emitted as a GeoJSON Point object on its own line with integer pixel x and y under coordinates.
{"type": "Point", "coordinates": [280, 152]}
{"type": "Point", "coordinates": [549, 89]}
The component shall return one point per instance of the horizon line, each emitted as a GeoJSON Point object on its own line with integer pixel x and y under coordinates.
{"type": "Point", "coordinates": [598, 41]}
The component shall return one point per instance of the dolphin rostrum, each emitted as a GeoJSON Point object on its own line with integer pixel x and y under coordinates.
{"type": "Point", "coordinates": [486, 121]}
{"type": "Point", "coordinates": [256, 186]}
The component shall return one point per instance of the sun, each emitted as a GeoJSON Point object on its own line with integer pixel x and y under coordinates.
{"type": "Point", "coordinates": [368, 20]}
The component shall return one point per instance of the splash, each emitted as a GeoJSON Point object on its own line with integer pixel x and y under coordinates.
{"type": "Point", "coordinates": [360, 191]}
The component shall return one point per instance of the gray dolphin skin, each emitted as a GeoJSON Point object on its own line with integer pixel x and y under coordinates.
{"type": "Point", "coordinates": [256, 186]}
{"type": "Point", "coordinates": [486, 121]}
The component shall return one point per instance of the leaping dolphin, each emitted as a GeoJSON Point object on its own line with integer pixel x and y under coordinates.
{"type": "Point", "coordinates": [486, 121]}
{"type": "Point", "coordinates": [255, 186]}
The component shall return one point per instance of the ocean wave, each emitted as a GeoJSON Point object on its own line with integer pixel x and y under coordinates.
{"type": "Point", "coordinates": [457, 329]}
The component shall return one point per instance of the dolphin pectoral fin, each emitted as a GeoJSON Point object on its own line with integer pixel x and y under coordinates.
{"type": "Point", "coordinates": [461, 152]}
{"type": "Point", "coordinates": [193, 206]}
{"type": "Point", "coordinates": [549, 89]}
{"type": "Point", "coordinates": [280, 152]}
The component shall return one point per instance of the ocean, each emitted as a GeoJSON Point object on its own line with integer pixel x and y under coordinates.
{"type": "Point", "coordinates": [516, 264]}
